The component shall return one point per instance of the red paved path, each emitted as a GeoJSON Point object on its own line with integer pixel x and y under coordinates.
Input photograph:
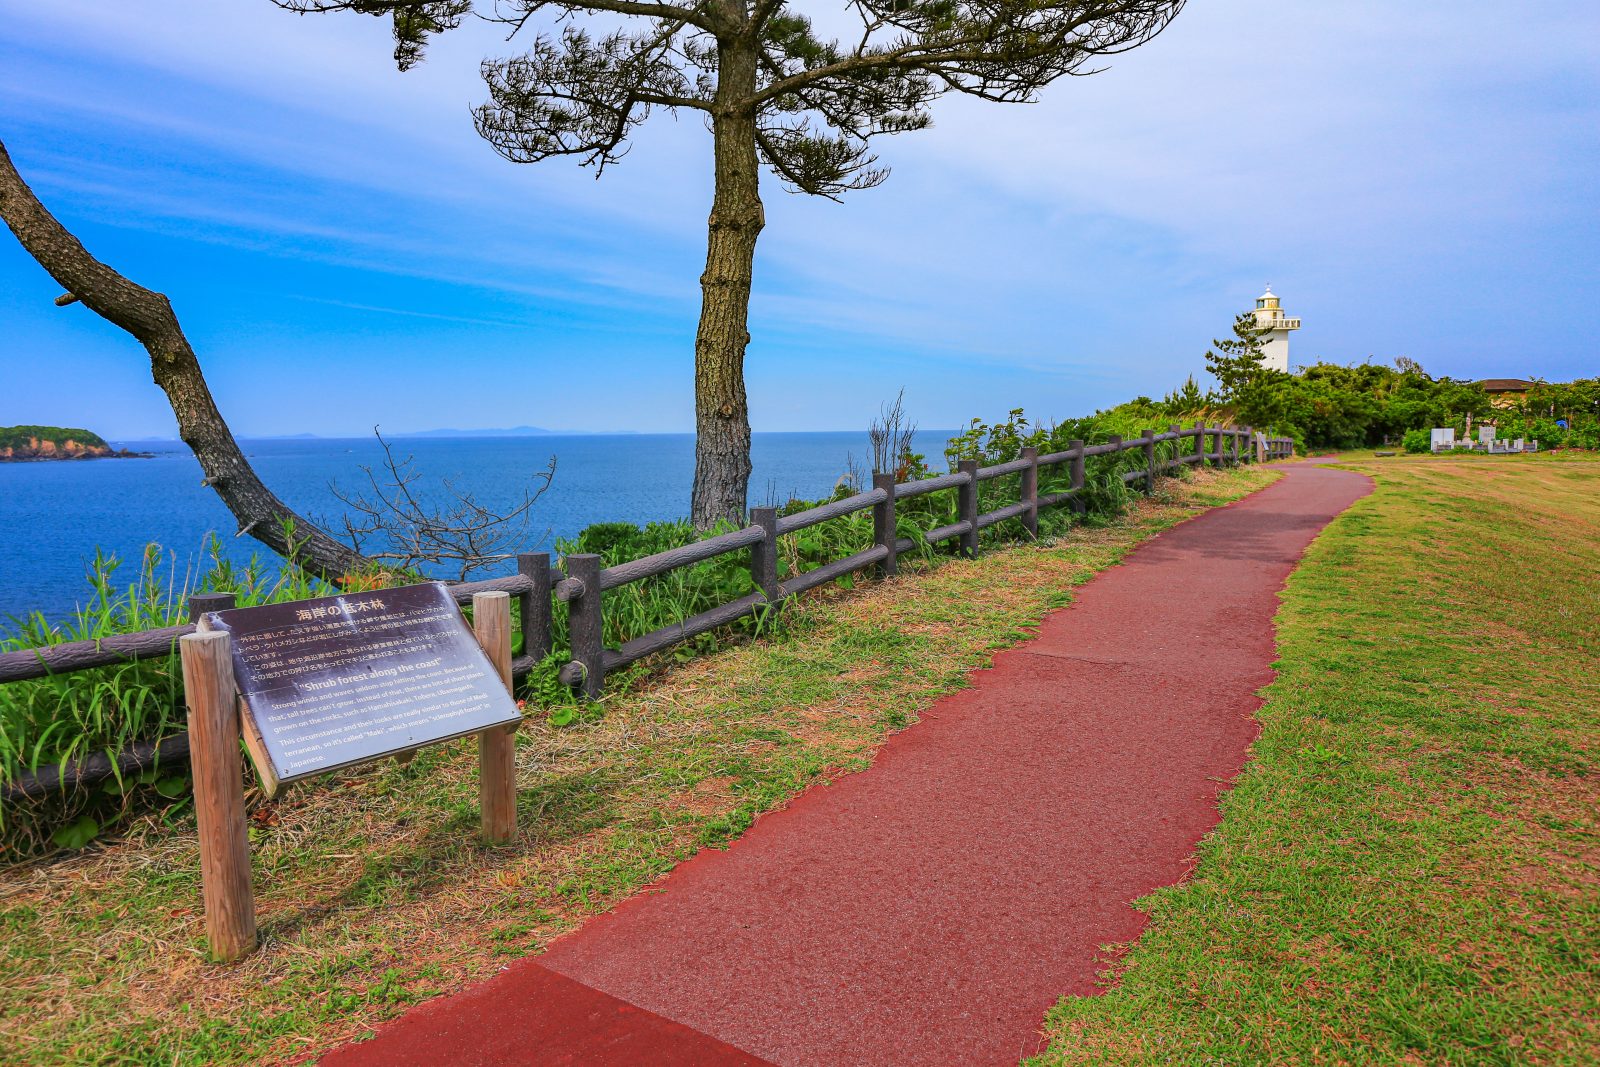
{"type": "Point", "coordinates": [930, 909]}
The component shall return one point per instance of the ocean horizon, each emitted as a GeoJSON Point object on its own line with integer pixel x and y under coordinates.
{"type": "Point", "coordinates": [55, 515]}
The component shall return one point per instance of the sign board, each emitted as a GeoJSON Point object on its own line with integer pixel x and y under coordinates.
{"type": "Point", "coordinates": [341, 680]}
{"type": "Point", "coordinates": [1486, 435]}
{"type": "Point", "coordinates": [1444, 439]}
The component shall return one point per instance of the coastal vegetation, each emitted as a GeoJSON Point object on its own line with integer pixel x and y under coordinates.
{"type": "Point", "coordinates": [47, 722]}
{"type": "Point", "coordinates": [373, 892]}
{"type": "Point", "coordinates": [1328, 406]}
{"type": "Point", "coordinates": [1405, 870]}
{"type": "Point", "coordinates": [1333, 406]}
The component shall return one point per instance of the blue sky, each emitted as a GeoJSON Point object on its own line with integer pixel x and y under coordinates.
{"type": "Point", "coordinates": [1413, 179]}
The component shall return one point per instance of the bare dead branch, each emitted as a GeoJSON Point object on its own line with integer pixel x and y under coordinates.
{"type": "Point", "coordinates": [891, 435]}
{"type": "Point", "coordinates": [451, 529]}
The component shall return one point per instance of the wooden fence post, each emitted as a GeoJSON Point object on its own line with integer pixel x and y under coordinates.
{"type": "Point", "coordinates": [200, 603]}
{"type": "Point", "coordinates": [497, 746]}
{"type": "Point", "coordinates": [967, 507]}
{"type": "Point", "coordinates": [213, 702]}
{"type": "Point", "coordinates": [1200, 444]}
{"type": "Point", "coordinates": [534, 606]}
{"type": "Point", "coordinates": [883, 524]}
{"type": "Point", "coordinates": [1149, 440]}
{"type": "Point", "coordinates": [1079, 505]}
{"type": "Point", "coordinates": [1030, 491]}
{"type": "Point", "coordinates": [586, 625]}
{"type": "Point", "coordinates": [1248, 440]}
{"type": "Point", "coordinates": [764, 553]}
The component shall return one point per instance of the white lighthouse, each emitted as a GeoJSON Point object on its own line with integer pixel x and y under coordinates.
{"type": "Point", "coordinates": [1275, 345]}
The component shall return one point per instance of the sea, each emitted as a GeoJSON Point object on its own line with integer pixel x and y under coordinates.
{"type": "Point", "coordinates": [55, 515]}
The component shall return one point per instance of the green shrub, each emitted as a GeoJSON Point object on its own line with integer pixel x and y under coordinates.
{"type": "Point", "coordinates": [1418, 441]}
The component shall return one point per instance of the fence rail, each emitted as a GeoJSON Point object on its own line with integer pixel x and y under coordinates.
{"type": "Point", "coordinates": [582, 581]}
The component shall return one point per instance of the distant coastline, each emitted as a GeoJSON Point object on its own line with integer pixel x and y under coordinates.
{"type": "Point", "coordinates": [44, 444]}
{"type": "Point", "coordinates": [532, 433]}
{"type": "Point", "coordinates": [514, 431]}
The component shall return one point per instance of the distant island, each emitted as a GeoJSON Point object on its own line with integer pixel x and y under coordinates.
{"type": "Point", "coordinates": [26, 443]}
{"type": "Point", "coordinates": [511, 431]}
{"type": "Point", "coordinates": [514, 431]}
{"type": "Point", "coordinates": [441, 434]}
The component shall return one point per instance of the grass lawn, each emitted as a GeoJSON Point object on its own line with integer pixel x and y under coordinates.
{"type": "Point", "coordinates": [1407, 871]}
{"type": "Point", "coordinates": [373, 893]}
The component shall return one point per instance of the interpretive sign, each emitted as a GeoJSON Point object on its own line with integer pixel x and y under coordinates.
{"type": "Point", "coordinates": [340, 680]}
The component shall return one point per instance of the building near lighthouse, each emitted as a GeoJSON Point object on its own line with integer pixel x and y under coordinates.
{"type": "Point", "coordinates": [1275, 345]}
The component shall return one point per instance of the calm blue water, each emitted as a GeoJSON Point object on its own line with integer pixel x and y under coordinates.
{"type": "Point", "coordinates": [54, 515]}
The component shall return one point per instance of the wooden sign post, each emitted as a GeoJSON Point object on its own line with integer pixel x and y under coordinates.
{"type": "Point", "coordinates": [319, 685]}
{"type": "Point", "coordinates": [219, 794]}
{"type": "Point", "coordinates": [497, 747]}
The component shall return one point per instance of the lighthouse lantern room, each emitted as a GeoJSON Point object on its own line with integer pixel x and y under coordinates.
{"type": "Point", "coordinates": [1275, 345]}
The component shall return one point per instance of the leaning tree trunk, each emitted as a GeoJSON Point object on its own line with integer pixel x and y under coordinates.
{"type": "Point", "coordinates": [148, 316]}
{"type": "Point", "coordinates": [722, 414]}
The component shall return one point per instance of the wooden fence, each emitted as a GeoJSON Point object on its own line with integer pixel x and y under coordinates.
{"type": "Point", "coordinates": [581, 580]}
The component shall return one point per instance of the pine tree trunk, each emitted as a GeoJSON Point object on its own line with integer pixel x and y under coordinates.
{"type": "Point", "coordinates": [722, 414]}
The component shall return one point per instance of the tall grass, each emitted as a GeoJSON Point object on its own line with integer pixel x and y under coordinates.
{"type": "Point", "coordinates": [63, 718]}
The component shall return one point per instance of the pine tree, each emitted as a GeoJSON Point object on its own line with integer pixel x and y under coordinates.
{"type": "Point", "coordinates": [1187, 399]}
{"type": "Point", "coordinates": [775, 93]}
{"type": "Point", "coordinates": [1236, 362]}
